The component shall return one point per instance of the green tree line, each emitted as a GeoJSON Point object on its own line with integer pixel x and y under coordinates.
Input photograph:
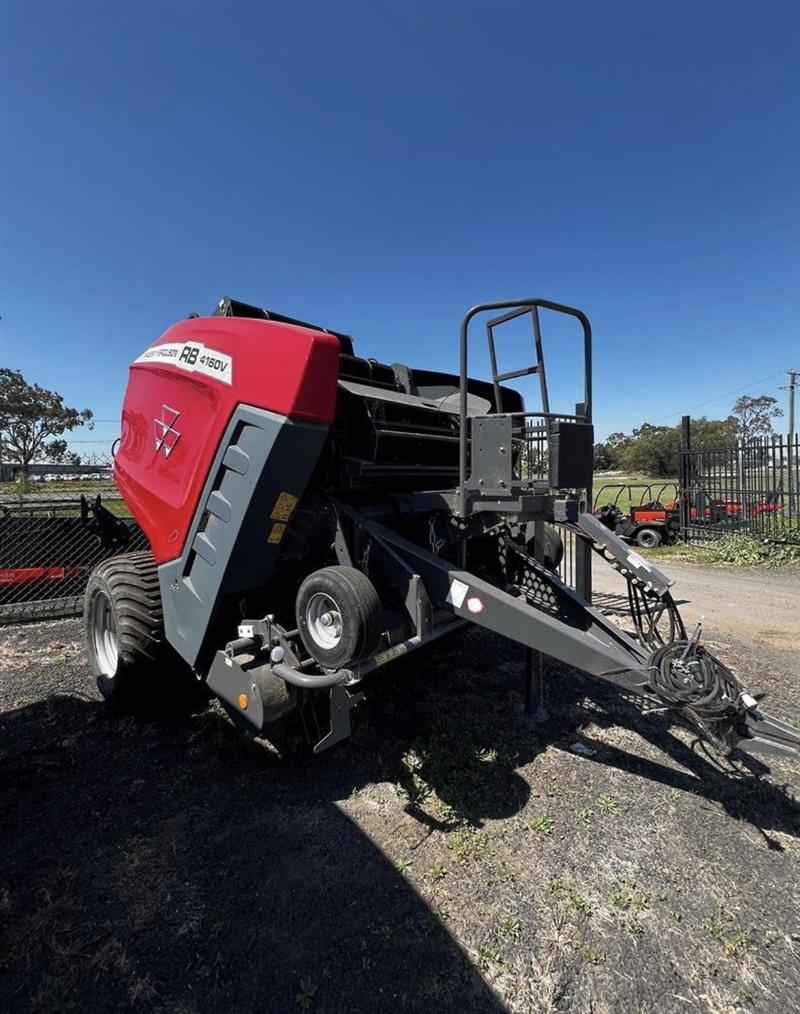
{"type": "Point", "coordinates": [653, 450]}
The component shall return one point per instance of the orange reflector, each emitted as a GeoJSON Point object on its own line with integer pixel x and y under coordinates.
{"type": "Point", "coordinates": [243, 702]}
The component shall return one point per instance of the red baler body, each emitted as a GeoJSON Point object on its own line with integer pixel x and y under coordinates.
{"type": "Point", "coordinates": [187, 386]}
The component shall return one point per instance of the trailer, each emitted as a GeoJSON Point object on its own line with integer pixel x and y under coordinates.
{"type": "Point", "coordinates": [313, 516]}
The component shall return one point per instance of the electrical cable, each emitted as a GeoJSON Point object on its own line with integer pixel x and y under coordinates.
{"type": "Point", "coordinates": [719, 397]}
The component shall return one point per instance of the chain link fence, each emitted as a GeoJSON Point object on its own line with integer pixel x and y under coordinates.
{"type": "Point", "coordinates": [47, 552]}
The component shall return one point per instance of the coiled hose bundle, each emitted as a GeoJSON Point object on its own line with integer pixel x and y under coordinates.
{"type": "Point", "coordinates": [691, 680]}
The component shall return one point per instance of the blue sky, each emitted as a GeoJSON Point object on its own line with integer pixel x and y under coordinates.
{"type": "Point", "coordinates": [378, 168]}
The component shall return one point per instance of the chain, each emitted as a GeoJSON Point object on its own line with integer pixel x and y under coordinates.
{"type": "Point", "coordinates": [436, 544]}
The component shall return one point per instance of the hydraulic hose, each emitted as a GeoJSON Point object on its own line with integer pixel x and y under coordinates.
{"type": "Point", "coordinates": [692, 681]}
{"type": "Point", "coordinates": [309, 681]}
{"type": "Point", "coordinates": [695, 680]}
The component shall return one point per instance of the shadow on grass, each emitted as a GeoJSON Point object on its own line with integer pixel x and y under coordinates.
{"type": "Point", "coordinates": [483, 712]}
{"type": "Point", "coordinates": [738, 785]}
{"type": "Point", "coordinates": [174, 865]}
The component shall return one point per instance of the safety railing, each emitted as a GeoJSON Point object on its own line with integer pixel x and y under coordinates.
{"type": "Point", "coordinates": [513, 309]}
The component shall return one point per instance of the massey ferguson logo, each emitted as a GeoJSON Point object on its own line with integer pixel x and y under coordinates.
{"type": "Point", "coordinates": [166, 434]}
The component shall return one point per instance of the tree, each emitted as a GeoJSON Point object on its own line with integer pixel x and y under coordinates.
{"type": "Point", "coordinates": [607, 455]}
{"type": "Point", "coordinates": [603, 458]}
{"type": "Point", "coordinates": [754, 415]}
{"type": "Point", "coordinates": [32, 420]}
{"type": "Point", "coordinates": [714, 432]}
{"type": "Point", "coordinates": [652, 450]}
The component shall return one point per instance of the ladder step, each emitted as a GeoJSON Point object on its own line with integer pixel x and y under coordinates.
{"type": "Point", "coordinates": [518, 373]}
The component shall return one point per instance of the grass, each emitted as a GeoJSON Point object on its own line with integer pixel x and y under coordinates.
{"type": "Point", "coordinates": [467, 843]}
{"type": "Point", "coordinates": [510, 927]}
{"type": "Point", "coordinates": [67, 494]}
{"type": "Point", "coordinates": [306, 992]}
{"type": "Point", "coordinates": [553, 878]}
{"type": "Point", "coordinates": [541, 824]}
{"type": "Point", "coordinates": [739, 549]}
{"type": "Point", "coordinates": [663, 489]}
{"type": "Point", "coordinates": [607, 804]}
{"type": "Point", "coordinates": [76, 485]}
{"type": "Point", "coordinates": [437, 872]}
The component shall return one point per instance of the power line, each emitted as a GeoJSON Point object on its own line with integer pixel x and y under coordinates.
{"type": "Point", "coordinates": [719, 397]}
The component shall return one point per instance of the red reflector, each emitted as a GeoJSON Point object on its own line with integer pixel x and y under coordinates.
{"type": "Point", "coordinates": [475, 605]}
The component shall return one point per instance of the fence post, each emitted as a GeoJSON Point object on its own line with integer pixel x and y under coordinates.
{"type": "Point", "coordinates": [684, 476]}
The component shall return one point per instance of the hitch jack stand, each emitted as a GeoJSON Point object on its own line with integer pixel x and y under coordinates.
{"type": "Point", "coordinates": [342, 702]}
{"type": "Point", "coordinates": [535, 685]}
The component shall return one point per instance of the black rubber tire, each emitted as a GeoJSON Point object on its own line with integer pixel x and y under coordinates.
{"type": "Point", "coordinates": [648, 538]}
{"type": "Point", "coordinates": [553, 546]}
{"type": "Point", "coordinates": [359, 607]}
{"type": "Point", "coordinates": [146, 665]}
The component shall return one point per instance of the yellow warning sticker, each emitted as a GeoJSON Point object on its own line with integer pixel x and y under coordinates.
{"type": "Point", "coordinates": [276, 534]}
{"type": "Point", "coordinates": [284, 506]}
{"type": "Point", "coordinates": [391, 654]}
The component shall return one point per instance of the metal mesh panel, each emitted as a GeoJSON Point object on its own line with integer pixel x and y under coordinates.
{"type": "Point", "coordinates": [47, 554]}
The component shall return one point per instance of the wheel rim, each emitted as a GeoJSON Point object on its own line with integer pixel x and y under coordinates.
{"type": "Point", "coordinates": [324, 620]}
{"type": "Point", "coordinates": [104, 635]}
{"type": "Point", "coordinates": [648, 540]}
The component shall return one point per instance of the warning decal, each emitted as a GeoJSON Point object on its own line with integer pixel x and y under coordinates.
{"type": "Point", "coordinates": [193, 357]}
{"type": "Point", "coordinates": [284, 506]}
{"type": "Point", "coordinates": [276, 534]}
{"type": "Point", "coordinates": [457, 593]}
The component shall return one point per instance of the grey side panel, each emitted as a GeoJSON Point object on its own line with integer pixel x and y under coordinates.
{"type": "Point", "coordinates": [228, 549]}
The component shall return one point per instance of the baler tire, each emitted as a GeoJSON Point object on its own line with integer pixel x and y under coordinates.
{"type": "Point", "coordinates": [360, 616]}
{"type": "Point", "coordinates": [132, 662]}
{"type": "Point", "coordinates": [553, 546]}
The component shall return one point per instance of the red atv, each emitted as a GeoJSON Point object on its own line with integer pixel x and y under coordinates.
{"type": "Point", "coordinates": [716, 511]}
{"type": "Point", "coordinates": [648, 522]}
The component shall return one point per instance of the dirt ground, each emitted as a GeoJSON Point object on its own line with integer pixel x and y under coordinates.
{"type": "Point", "coordinates": [754, 604]}
{"type": "Point", "coordinates": [452, 856]}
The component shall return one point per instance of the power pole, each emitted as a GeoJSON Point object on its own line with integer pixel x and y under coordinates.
{"type": "Point", "coordinates": [790, 484]}
{"type": "Point", "coordinates": [791, 388]}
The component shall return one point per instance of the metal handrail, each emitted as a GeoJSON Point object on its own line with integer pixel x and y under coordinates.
{"type": "Point", "coordinates": [514, 304]}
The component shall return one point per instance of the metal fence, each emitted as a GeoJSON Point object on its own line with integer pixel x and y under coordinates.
{"type": "Point", "coordinates": [44, 475]}
{"type": "Point", "coordinates": [748, 486]}
{"type": "Point", "coordinates": [47, 553]}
